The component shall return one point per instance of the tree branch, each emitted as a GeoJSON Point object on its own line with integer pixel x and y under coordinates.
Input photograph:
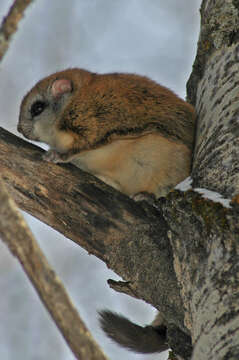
{"type": "Point", "coordinates": [15, 233]}
{"type": "Point", "coordinates": [133, 239]}
{"type": "Point", "coordinates": [105, 222]}
{"type": "Point", "coordinates": [10, 22]}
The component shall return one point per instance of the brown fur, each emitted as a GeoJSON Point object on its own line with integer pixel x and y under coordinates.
{"type": "Point", "coordinates": [126, 129]}
{"type": "Point", "coordinates": [141, 164]}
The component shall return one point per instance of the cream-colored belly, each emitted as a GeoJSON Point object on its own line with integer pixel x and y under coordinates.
{"type": "Point", "coordinates": [148, 163]}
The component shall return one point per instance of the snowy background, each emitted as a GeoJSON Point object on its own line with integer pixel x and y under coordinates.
{"type": "Point", "coordinates": [149, 37]}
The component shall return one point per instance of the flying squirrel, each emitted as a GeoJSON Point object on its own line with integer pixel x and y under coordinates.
{"type": "Point", "coordinates": [127, 130]}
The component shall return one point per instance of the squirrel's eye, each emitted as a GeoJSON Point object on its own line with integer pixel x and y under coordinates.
{"type": "Point", "coordinates": [37, 108]}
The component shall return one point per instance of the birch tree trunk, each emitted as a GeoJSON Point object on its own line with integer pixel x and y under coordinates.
{"type": "Point", "coordinates": [207, 266]}
{"type": "Point", "coordinates": [183, 255]}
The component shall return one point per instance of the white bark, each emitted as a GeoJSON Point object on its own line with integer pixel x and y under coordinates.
{"type": "Point", "coordinates": [210, 271]}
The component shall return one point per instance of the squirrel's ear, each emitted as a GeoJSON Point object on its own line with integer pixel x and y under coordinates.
{"type": "Point", "coordinates": [60, 87]}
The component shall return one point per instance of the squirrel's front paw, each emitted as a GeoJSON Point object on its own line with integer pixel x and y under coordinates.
{"type": "Point", "coordinates": [144, 196]}
{"type": "Point", "coordinates": [52, 156]}
{"type": "Point", "coordinates": [149, 198]}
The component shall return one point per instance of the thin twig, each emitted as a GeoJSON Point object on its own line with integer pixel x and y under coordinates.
{"type": "Point", "coordinates": [16, 234]}
{"type": "Point", "coordinates": [10, 22]}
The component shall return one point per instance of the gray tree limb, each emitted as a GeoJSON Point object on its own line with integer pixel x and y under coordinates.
{"type": "Point", "coordinates": [17, 236]}
{"type": "Point", "coordinates": [10, 22]}
{"type": "Point", "coordinates": [105, 222]}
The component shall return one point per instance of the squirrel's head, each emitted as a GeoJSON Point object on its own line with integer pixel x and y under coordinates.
{"type": "Point", "coordinates": [44, 104]}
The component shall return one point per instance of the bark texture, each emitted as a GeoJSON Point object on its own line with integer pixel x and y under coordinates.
{"type": "Point", "coordinates": [105, 222]}
{"type": "Point", "coordinates": [205, 241]}
{"type": "Point", "coordinates": [211, 293]}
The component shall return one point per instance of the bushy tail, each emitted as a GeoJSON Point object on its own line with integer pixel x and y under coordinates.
{"type": "Point", "coordinates": [148, 339]}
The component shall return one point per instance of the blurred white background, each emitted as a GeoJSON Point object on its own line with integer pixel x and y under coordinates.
{"type": "Point", "coordinates": [149, 37]}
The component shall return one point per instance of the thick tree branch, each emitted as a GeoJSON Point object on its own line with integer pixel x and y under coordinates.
{"type": "Point", "coordinates": [15, 233]}
{"type": "Point", "coordinates": [105, 222]}
{"type": "Point", "coordinates": [133, 239]}
{"type": "Point", "coordinates": [10, 22]}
